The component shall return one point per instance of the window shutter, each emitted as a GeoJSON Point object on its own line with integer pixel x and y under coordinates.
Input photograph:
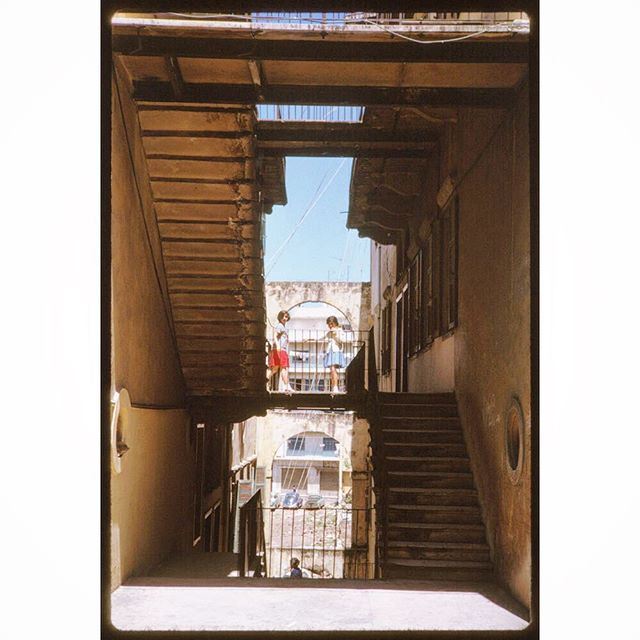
{"type": "Point", "coordinates": [415, 287]}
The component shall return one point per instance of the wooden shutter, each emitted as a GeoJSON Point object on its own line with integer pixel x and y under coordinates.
{"type": "Point", "coordinates": [428, 302]}
{"type": "Point", "coordinates": [449, 267]}
{"type": "Point", "coordinates": [415, 295]}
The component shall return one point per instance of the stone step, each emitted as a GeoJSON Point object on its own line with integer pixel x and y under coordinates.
{"type": "Point", "coordinates": [461, 546]}
{"type": "Point", "coordinates": [433, 479]}
{"type": "Point", "coordinates": [416, 398]}
{"type": "Point", "coordinates": [455, 551]}
{"type": "Point", "coordinates": [427, 449]}
{"type": "Point", "coordinates": [434, 514]}
{"type": "Point", "coordinates": [419, 410]}
{"type": "Point", "coordinates": [433, 497]}
{"type": "Point", "coordinates": [437, 570]}
{"type": "Point", "coordinates": [428, 463]}
{"type": "Point", "coordinates": [419, 532]}
{"type": "Point", "coordinates": [419, 422]}
{"type": "Point", "coordinates": [444, 436]}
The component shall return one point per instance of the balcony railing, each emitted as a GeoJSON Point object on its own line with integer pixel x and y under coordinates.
{"type": "Point", "coordinates": [252, 557]}
{"type": "Point", "coordinates": [309, 113]}
{"type": "Point", "coordinates": [310, 368]}
{"type": "Point", "coordinates": [301, 453]}
{"type": "Point", "coordinates": [342, 19]}
{"type": "Point", "coordinates": [393, 23]}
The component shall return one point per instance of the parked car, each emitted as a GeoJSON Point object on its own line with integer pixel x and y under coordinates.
{"type": "Point", "coordinates": [314, 501]}
{"type": "Point", "coordinates": [292, 500]}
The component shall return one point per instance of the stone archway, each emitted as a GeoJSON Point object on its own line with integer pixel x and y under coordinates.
{"type": "Point", "coordinates": [305, 470]}
{"type": "Point", "coordinates": [353, 299]}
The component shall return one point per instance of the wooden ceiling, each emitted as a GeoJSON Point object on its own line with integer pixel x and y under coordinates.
{"type": "Point", "coordinates": [214, 169]}
{"type": "Point", "coordinates": [202, 170]}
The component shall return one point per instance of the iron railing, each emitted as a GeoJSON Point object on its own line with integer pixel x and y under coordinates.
{"type": "Point", "coordinates": [252, 557]}
{"type": "Point", "coordinates": [394, 23]}
{"type": "Point", "coordinates": [329, 542]}
{"type": "Point", "coordinates": [380, 478]}
{"type": "Point", "coordinates": [309, 363]}
{"type": "Point", "coordinates": [309, 113]}
{"type": "Point", "coordinates": [343, 19]}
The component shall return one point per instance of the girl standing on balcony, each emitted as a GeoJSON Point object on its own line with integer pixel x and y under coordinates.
{"type": "Point", "coordinates": [333, 357]}
{"type": "Point", "coordinates": [279, 355]}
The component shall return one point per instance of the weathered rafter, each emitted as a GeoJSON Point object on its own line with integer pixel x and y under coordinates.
{"type": "Point", "coordinates": [210, 93]}
{"type": "Point", "coordinates": [508, 50]}
{"type": "Point", "coordinates": [337, 132]}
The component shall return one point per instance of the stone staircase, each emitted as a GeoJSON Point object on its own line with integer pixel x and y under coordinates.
{"type": "Point", "coordinates": [434, 527]}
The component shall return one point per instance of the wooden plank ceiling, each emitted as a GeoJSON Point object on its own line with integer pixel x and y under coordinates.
{"type": "Point", "coordinates": [202, 171]}
{"type": "Point", "coordinates": [214, 170]}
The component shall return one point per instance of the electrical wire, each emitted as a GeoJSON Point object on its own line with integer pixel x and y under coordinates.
{"type": "Point", "coordinates": [401, 35]}
{"type": "Point", "coordinates": [373, 23]}
{"type": "Point", "coordinates": [310, 207]}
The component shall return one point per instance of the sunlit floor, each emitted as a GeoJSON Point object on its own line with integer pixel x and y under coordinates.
{"type": "Point", "coordinates": [254, 604]}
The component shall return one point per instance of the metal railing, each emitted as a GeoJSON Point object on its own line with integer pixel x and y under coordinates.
{"type": "Point", "coordinates": [344, 19]}
{"type": "Point", "coordinates": [393, 23]}
{"type": "Point", "coordinates": [380, 478]}
{"type": "Point", "coordinates": [309, 113]}
{"type": "Point", "coordinates": [329, 542]}
{"type": "Point", "coordinates": [301, 18]}
{"type": "Point", "coordinates": [310, 361]}
{"type": "Point", "coordinates": [252, 557]}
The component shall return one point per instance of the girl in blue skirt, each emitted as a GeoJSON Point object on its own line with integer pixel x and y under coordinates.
{"type": "Point", "coordinates": [333, 357]}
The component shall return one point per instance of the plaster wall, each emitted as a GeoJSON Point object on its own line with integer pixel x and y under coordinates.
{"type": "Point", "coordinates": [431, 371]}
{"type": "Point", "coordinates": [492, 341]}
{"type": "Point", "coordinates": [353, 299]}
{"type": "Point", "coordinates": [487, 358]}
{"type": "Point", "coordinates": [144, 357]}
{"type": "Point", "coordinates": [383, 271]}
{"type": "Point", "coordinates": [276, 427]}
{"type": "Point", "coordinates": [151, 497]}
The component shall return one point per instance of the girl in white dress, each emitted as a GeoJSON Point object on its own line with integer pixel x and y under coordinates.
{"type": "Point", "coordinates": [333, 356]}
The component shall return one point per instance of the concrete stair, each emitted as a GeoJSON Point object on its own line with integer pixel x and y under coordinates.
{"type": "Point", "coordinates": [434, 528]}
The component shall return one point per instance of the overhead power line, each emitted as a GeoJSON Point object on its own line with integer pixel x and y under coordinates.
{"type": "Point", "coordinates": [308, 210]}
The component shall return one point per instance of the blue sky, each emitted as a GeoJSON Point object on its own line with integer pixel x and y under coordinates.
{"type": "Point", "coordinates": [322, 248]}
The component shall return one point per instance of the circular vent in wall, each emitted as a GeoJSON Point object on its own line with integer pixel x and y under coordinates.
{"type": "Point", "coordinates": [514, 440]}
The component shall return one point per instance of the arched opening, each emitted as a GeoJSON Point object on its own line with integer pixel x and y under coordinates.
{"type": "Point", "coordinates": [309, 463]}
{"type": "Point", "coordinates": [321, 343]}
{"type": "Point", "coordinates": [310, 513]}
{"type": "Point", "coordinates": [311, 310]}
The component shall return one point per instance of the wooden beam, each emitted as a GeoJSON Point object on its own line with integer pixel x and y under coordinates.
{"type": "Point", "coordinates": [257, 75]}
{"type": "Point", "coordinates": [394, 203]}
{"type": "Point", "coordinates": [173, 69]}
{"type": "Point", "coordinates": [355, 150]}
{"type": "Point", "coordinates": [178, 133]}
{"type": "Point", "coordinates": [159, 91]}
{"type": "Point", "coordinates": [503, 50]}
{"type": "Point", "coordinates": [338, 132]}
{"type": "Point", "coordinates": [380, 236]}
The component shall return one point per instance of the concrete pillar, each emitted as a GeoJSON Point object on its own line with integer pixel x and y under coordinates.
{"type": "Point", "coordinates": [359, 485]}
{"type": "Point", "coordinates": [313, 485]}
{"type": "Point", "coordinates": [276, 481]}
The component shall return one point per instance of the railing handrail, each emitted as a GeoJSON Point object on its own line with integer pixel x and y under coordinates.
{"type": "Point", "coordinates": [251, 538]}
{"type": "Point", "coordinates": [316, 363]}
{"type": "Point", "coordinates": [329, 541]}
{"type": "Point", "coordinates": [377, 447]}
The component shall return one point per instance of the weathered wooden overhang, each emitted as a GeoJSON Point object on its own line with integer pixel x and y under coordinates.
{"type": "Point", "coordinates": [214, 169]}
